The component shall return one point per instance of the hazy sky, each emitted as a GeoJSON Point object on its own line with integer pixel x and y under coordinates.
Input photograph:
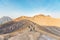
{"type": "Point", "coordinates": [16, 8]}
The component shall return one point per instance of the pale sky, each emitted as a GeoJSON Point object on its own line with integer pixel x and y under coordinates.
{"type": "Point", "coordinates": [16, 8]}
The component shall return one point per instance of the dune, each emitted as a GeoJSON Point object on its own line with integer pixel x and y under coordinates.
{"type": "Point", "coordinates": [41, 20]}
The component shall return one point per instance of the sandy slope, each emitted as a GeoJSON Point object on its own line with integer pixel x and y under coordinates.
{"type": "Point", "coordinates": [42, 20]}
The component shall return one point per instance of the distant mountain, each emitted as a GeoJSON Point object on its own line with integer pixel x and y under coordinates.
{"type": "Point", "coordinates": [5, 19]}
{"type": "Point", "coordinates": [41, 20]}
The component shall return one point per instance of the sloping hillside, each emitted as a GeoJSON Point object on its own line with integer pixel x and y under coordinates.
{"type": "Point", "coordinates": [34, 35]}
{"type": "Point", "coordinates": [14, 26]}
{"type": "Point", "coordinates": [27, 26]}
